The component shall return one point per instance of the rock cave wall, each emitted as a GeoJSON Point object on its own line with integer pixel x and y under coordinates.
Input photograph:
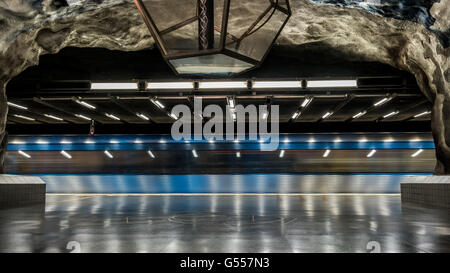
{"type": "Point", "coordinates": [31, 28]}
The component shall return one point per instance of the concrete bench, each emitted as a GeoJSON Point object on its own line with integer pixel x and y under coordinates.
{"type": "Point", "coordinates": [16, 191]}
{"type": "Point", "coordinates": [431, 191]}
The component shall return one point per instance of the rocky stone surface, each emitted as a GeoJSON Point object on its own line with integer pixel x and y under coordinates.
{"type": "Point", "coordinates": [31, 28]}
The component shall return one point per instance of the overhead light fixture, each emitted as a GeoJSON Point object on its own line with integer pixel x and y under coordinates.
{"type": "Point", "coordinates": [113, 141]}
{"type": "Point", "coordinates": [151, 154]}
{"type": "Point", "coordinates": [42, 142]}
{"type": "Point", "coordinates": [211, 50]}
{"type": "Point", "coordinates": [170, 85]}
{"type": "Point", "coordinates": [238, 154]}
{"type": "Point", "coordinates": [142, 116]}
{"type": "Point", "coordinates": [371, 153]}
{"type": "Point", "coordinates": [417, 153]}
{"type": "Point", "coordinates": [24, 117]}
{"type": "Point", "coordinates": [17, 106]}
{"type": "Point", "coordinates": [391, 114]}
{"type": "Point", "coordinates": [306, 102]}
{"type": "Point", "coordinates": [66, 154]}
{"type": "Point", "coordinates": [422, 114]}
{"type": "Point", "coordinates": [332, 83]}
{"type": "Point", "coordinates": [194, 153]}
{"type": "Point", "coordinates": [112, 116]}
{"type": "Point", "coordinates": [381, 102]}
{"type": "Point", "coordinates": [85, 104]}
{"type": "Point", "coordinates": [360, 114]}
{"type": "Point", "coordinates": [327, 153]}
{"type": "Point", "coordinates": [114, 86]}
{"type": "Point", "coordinates": [281, 154]}
{"type": "Point", "coordinates": [223, 85]}
{"type": "Point", "coordinates": [327, 114]}
{"type": "Point", "coordinates": [53, 117]}
{"type": "Point", "coordinates": [22, 153]}
{"type": "Point", "coordinates": [108, 154]}
{"type": "Point", "coordinates": [83, 117]}
{"type": "Point", "coordinates": [295, 115]}
{"type": "Point", "coordinates": [65, 142]}
{"type": "Point", "coordinates": [276, 84]}
{"type": "Point", "coordinates": [157, 103]}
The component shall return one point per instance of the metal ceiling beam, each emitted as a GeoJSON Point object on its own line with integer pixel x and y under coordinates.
{"type": "Point", "coordinates": [340, 106]}
{"type": "Point", "coordinates": [131, 112]}
{"type": "Point", "coordinates": [49, 105]}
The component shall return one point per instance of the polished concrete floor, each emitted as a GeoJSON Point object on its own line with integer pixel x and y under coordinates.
{"type": "Point", "coordinates": [224, 223]}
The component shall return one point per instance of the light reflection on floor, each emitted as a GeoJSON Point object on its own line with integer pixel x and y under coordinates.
{"type": "Point", "coordinates": [304, 223]}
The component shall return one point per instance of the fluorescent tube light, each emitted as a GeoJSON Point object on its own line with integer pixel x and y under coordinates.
{"type": "Point", "coordinates": [380, 102]}
{"type": "Point", "coordinates": [17, 106]}
{"type": "Point", "coordinates": [327, 114]}
{"type": "Point", "coordinates": [276, 84]}
{"type": "Point", "coordinates": [295, 115]}
{"type": "Point", "coordinates": [371, 153]}
{"type": "Point", "coordinates": [170, 85]}
{"type": "Point", "coordinates": [417, 153]}
{"type": "Point", "coordinates": [422, 114]}
{"type": "Point", "coordinates": [281, 153]}
{"type": "Point", "coordinates": [391, 114]}
{"type": "Point", "coordinates": [66, 154]}
{"type": "Point", "coordinates": [114, 86]}
{"type": "Point", "coordinates": [24, 154]}
{"type": "Point", "coordinates": [83, 117]}
{"type": "Point", "coordinates": [53, 117]}
{"type": "Point", "coordinates": [157, 103]}
{"type": "Point", "coordinates": [112, 116]}
{"type": "Point", "coordinates": [24, 117]}
{"type": "Point", "coordinates": [194, 153]}
{"type": "Point", "coordinates": [306, 102]}
{"type": "Point", "coordinates": [151, 154]}
{"type": "Point", "coordinates": [332, 83]}
{"type": "Point", "coordinates": [85, 104]}
{"type": "Point", "coordinates": [142, 116]}
{"type": "Point", "coordinates": [223, 85]}
{"type": "Point", "coordinates": [238, 154]}
{"type": "Point", "coordinates": [108, 154]}
{"type": "Point", "coordinates": [360, 114]}
{"type": "Point", "coordinates": [327, 152]}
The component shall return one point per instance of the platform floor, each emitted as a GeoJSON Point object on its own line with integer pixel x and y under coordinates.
{"type": "Point", "coordinates": [215, 223]}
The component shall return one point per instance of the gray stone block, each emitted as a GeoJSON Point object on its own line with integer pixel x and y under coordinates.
{"type": "Point", "coordinates": [16, 191]}
{"type": "Point", "coordinates": [431, 191]}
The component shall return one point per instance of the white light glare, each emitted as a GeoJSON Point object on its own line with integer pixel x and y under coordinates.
{"type": "Point", "coordinates": [194, 153]}
{"type": "Point", "coordinates": [295, 115]}
{"type": "Point", "coordinates": [371, 153]}
{"type": "Point", "coordinates": [360, 114]}
{"type": "Point", "coordinates": [142, 116]}
{"type": "Point", "coordinates": [170, 85]}
{"type": "Point", "coordinates": [112, 116]}
{"type": "Point", "coordinates": [172, 115]}
{"type": "Point", "coordinates": [417, 153]}
{"type": "Point", "coordinates": [327, 152]}
{"type": "Point", "coordinates": [151, 154]}
{"type": "Point", "coordinates": [24, 154]}
{"type": "Point", "coordinates": [114, 86]}
{"type": "Point", "coordinates": [383, 101]}
{"type": "Point", "coordinates": [265, 115]}
{"type": "Point", "coordinates": [17, 106]}
{"type": "Point", "coordinates": [66, 155]}
{"type": "Point", "coordinates": [83, 117]}
{"type": "Point", "coordinates": [332, 83]}
{"type": "Point", "coordinates": [108, 154]}
{"type": "Point", "coordinates": [24, 117]}
{"type": "Point", "coordinates": [327, 114]}
{"type": "Point", "coordinates": [238, 154]}
{"type": "Point", "coordinates": [53, 117]}
{"type": "Point", "coordinates": [223, 85]}
{"type": "Point", "coordinates": [158, 103]}
{"type": "Point", "coordinates": [422, 114]}
{"type": "Point", "coordinates": [391, 114]}
{"type": "Point", "coordinates": [85, 104]}
{"type": "Point", "coordinates": [281, 153]}
{"type": "Point", "coordinates": [277, 84]}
